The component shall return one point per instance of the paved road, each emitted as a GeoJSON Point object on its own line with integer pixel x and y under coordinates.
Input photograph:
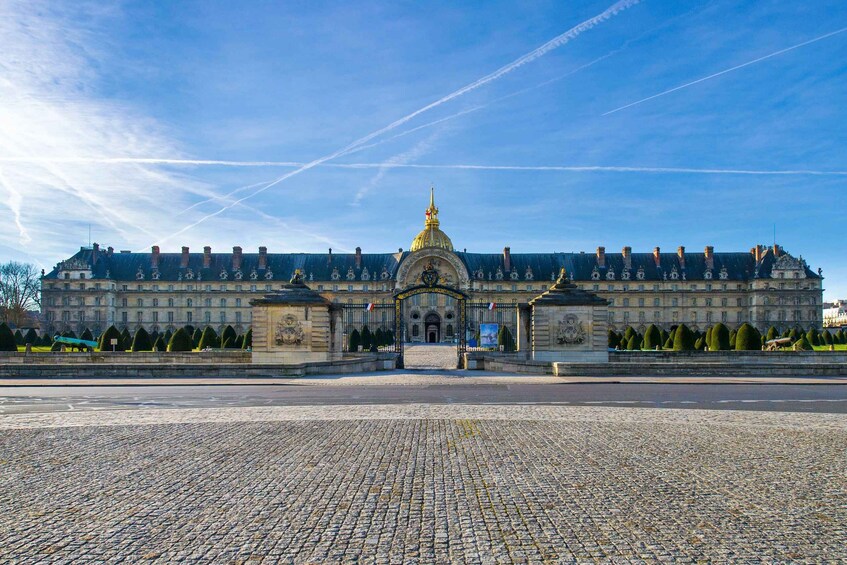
{"type": "Point", "coordinates": [779, 398]}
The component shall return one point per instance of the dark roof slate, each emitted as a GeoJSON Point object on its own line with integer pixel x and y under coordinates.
{"type": "Point", "coordinates": [739, 266]}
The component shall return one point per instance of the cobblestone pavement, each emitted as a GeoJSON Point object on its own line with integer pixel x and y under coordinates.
{"type": "Point", "coordinates": [434, 356]}
{"type": "Point", "coordinates": [423, 483]}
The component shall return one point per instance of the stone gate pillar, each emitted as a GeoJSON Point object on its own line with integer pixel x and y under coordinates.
{"type": "Point", "coordinates": [293, 325]}
{"type": "Point", "coordinates": [569, 324]}
{"type": "Point", "coordinates": [524, 330]}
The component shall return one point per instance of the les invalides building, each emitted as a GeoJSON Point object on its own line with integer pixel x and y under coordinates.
{"type": "Point", "coordinates": [97, 288]}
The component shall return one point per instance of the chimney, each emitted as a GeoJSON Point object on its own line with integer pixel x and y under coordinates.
{"type": "Point", "coordinates": [183, 262]}
{"type": "Point", "coordinates": [358, 257]}
{"type": "Point", "coordinates": [776, 250]}
{"type": "Point", "coordinates": [329, 258]}
{"type": "Point", "coordinates": [657, 257]}
{"type": "Point", "coordinates": [95, 252]}
{"type": "Point", "coordinates": [601, 257]}
{"type": "Point", "coordinates": [680, 252]}
{"type": "Point", "coordinates": [207, 257]}
{"type": "Point", "coordinates": [154, 258]}
{"type": "Point", "coordinates": [757, 253]}
{"type": "Point", "coordinates": [627, 257]}
{"type": "Point", "coordinates": [710, 257]}
{"type": "Point", "coordinates": [507, 258]}
{"type": "Point", "coordinates": [263, 258]}
{"type": "Point", "coordinates": [236, 258]}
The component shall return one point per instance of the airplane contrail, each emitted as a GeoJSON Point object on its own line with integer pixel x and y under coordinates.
{"type": "Point", "coordinates": [729, 70]}
{"type": "Point", "coordinates": [592, 169]}
{"type": "Point", "coordinates": [554, 43]}
{"type": "Point", "coordinates": [563, 168]}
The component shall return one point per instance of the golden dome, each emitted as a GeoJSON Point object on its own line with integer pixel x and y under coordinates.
{"type": "Point", "coordinates": [431, 236]}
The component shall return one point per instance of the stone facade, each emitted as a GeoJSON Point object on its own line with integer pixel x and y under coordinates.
{"type": "Point", "coordinates": [97, 288]}
{"type": "Point", "coordinates": [569, 325]}
{"type": "Point", "coordinates": [294, 325]}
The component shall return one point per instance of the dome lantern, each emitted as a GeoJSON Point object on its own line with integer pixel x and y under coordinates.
{"type": "Point", "coordinates": [431, 236]}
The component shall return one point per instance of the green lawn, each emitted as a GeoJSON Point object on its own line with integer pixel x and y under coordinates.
{"type": "Point", "coordinates": [839, 347]}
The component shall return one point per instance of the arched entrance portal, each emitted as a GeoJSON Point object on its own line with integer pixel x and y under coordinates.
{"type": "Point", "coordinates": [431, 328]}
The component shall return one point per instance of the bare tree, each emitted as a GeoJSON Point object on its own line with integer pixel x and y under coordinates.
{"type": "Point", "coordinates": [20, 291]}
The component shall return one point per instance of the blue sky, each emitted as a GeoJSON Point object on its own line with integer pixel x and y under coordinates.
{"type": "Point", "coordinates": [108, 107]}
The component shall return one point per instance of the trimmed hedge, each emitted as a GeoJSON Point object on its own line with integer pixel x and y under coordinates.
{"type": "Point", "coordinates": [209, 338]}
{"type": "Point", "coordinates": [719, 338]}
{"type": "Point", "coordinates": [652, 337]}
{"type": "Point", "coordinates": [107, 337]}
{"type": "Point", "coordinates": [7, 338]}
{"type": "Point", "coordinates": [160, 345]}
{"type": "Point", "coordinates": [683, 339]}
{"type": "Point", "coordinates": [180, 341]}
{"type": "Point", "coordinates": [141, 341]}
{"type": "Point", "coordinates": [748, 338]}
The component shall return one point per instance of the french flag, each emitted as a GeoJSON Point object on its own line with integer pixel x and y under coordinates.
{"type": "Point", "coordinates": [492, 306]}
{"type": "Point", "coordinates": [370, 306]}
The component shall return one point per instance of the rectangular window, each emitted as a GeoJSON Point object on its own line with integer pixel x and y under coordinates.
{"type": "Point", "coordinates": [641, 302]}
{"type": "Point", "coordinates": [223, 302]}
{"type": "Point", "coordinates": [123, 302]}
{"type": "Point", "coordinates": [82, 286]}
{"type": "Point", "coordinates": [170, 316]}
{"type": "Point", "coordinates": [656, 302]}
{"type": "Point", "coordinates": [238, 303]}
{"type": "Point", "coordinates": [238, 317]}
{"type": "Point", "coordinates": [189, 317]}
{"type": "Point", "coordinates": [674, 301]}
{"type": "Point", "coordinates": [139, 316]}
{"type": "Point", "coordinates": [349, 288]}
{"type": "Point", "coordinates": [724, 317]}
{"type": "Point", "coordinates": [223, 317]}
{"type": "Point", "coordinates": [155, 316]}
{"type": "Point", "coordinates": [208, 317]}
{"type": "Point", "coordinates": [124, 317]}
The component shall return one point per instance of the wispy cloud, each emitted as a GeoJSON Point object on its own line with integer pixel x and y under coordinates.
{"type": "Point", "coordinates": [55, 128]}
{"type": "Point", "coordinates": [399, 160]}
{"type": "Point", "coordinates": [554, 43]}
{"type": "Point", "coordinates": [729, 70]}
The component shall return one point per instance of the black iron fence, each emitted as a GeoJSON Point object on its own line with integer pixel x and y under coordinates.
{"type": "Point", "coordinates": [368, 327]}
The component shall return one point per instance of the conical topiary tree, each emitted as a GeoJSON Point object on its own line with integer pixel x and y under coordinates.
{"type": "Point", "coordinates": [719, 338]}
{"type": "Point", "coordinates": [772, 333]}
{"type": "Point", "coordinates": [634, 343]}
{"type": "Point", "coordinates": [141, 341]}
{"type": "Point", "coordinates": [652, 338]}
{"type": "Point", "coordinates": [812, 336]}
{"type": "Point", "coordinates": [19, 337]}
{"type": "Point", "coordinates": [87, 335]}
{"type": "Point", "coordinates": [628, 333]}
{"type": "Point", "coordinates": [826, 338]}
{"type": "Point", "coordinates": [228, 343]}
{"type": "Point", "coordinates": [126, 339]}
{"type": "Point", "coordinates": [366, 338]}
{"type": "Point", "coordinates": [748, 338]}
{"type": "Point", "coordinates": [612, 339]}
{"type": "Point", "coordinates": [803, 344]}
{"type": "Point", "coordinates": [46, 340]}
{"type": "Point", "coordinates": [196, 336]}
{"type": "Point", "coordinates": [683, 340]}
{"type": "Point", "coordinates": [31, 337]}
{"type": "Point", "coordinates": [168, 334]}
{"type": "Point", "coordinates": [7, 338]}
{"type": "Point", "coordinates": [504, 338]}
{"type": "Point", "coordinates": [239, 342]}
{"type": "Point", "coordinates": [180, 341]}
{"type": "Point", "coordinates": [708, 339]}
{"type": "Point", "coordinates": [209, 339]}
{"type": "Point", "coordinates": [732, 336]}
{"type": "Point", "coordinates": [354, 341]}
{"type": "Point", "coordinates": [840, 336]}
{"type": "Point", "coordinates": [159, 344]}
{"type": "Point", "coordinates": [700, 344]}
{"type": "Point", "coordinates": [379, 338]}
{"type": "Point", "coordinates": [228, 333]}
{"type": "Point", "coordinates": [107, 337]}
{"type": "Point", "coordinates": [248, 339]}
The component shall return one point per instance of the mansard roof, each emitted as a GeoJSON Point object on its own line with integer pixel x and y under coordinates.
{"type": "Point", "coordinates": [739, 266]}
